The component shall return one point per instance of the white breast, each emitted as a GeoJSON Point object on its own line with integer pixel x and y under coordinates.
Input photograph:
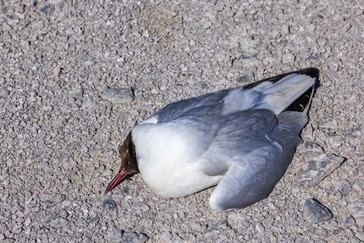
{"type": "Point", "coordinates": [168, 158]}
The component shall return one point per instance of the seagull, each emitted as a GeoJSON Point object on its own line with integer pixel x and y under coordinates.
{"type": "Point", "coordinates": [240, 139]}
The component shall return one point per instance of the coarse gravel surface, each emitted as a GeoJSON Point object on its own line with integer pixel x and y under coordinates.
{"type": "Point", "coordinates": [76, 76]}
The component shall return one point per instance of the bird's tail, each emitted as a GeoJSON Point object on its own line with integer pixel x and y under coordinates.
{"type": "Point", "coordinates": [290, 91]}
{"type": "Point", "coordinates": [293, 90]}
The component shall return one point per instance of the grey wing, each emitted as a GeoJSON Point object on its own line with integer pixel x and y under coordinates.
{"type": "Point", "coordinates": [255, 176]}
{"type": "Point", "coordinates": [179, 108]}
{"type": "Point", "coordinates": [239, 133]}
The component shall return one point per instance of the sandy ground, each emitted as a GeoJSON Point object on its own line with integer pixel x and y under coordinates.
{"type": "Point", "coordinates": [61, 125]}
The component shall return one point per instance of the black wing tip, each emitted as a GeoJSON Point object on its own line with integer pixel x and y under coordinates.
{"type": "Point", "coordinates": [311, 71]}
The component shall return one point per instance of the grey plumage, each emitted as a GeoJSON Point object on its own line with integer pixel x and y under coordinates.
{"type": "Point", "coordinates": [246, 136]}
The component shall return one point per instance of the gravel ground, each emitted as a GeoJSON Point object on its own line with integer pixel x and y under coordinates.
{"type": "Point", "coordinates": [75, 76]}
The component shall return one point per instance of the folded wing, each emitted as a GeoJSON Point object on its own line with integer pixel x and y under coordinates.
{"type": "Point", "coordinates": [258, 160]}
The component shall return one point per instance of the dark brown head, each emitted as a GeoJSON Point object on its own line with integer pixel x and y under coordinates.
{"type": "Point", "coordinates": [129, 164]}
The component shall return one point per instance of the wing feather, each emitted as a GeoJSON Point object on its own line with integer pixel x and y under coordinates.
{"type": "Point", "coordinates": [239, 133]}
{"type": "Point", "coordinates": [178, 109]}
{"type": "Point", "coordinates": [259, 164]}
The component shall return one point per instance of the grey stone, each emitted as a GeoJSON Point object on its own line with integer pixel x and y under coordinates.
{"type": "Point", "coordinates": [310, 150]}
{"type": "Point", "coordinates": [58, 222]}
{"type": "Point", "coordinates": [343, 186]}
{"type": "Point", "coordinates": [335, 140]}
{"type": "Point", "coordinates": [355, 132]}
{"type": "Point", "coordinates": [243, 61]}
{"type": "Point", "coordinates": [260, 227]}
{"type": "Point", "coordinates": [56, 71]}
{"type": "Point", "coordinates": [357, 209]}
{"type": "Point", "coordinates": [219, 225]}
{"type": "Point", "coordinates": [337, 195]}
{"type": "Point", "coordinates": [88, 102]}
{"type": "Point", "coordinates": [4, 93]}
{"type": "Point", "coordinates": [109, 204]}
{"type": "Point", "coordinates": [246, 78]}
{"type": "Point", "coordinates": [47, 8]}
{"type": "Point", "coordinates": [55, 1]}
{"type": "Point", "coordinates": [141, 206]}
{"type": "Point", "coordinates": [236, 219]}
{"type": "Point", "coordinates": [134, 237]}
{"type": "Point", "coordinates": [349, 220]}
{"type": "Point", "coordinates": [315, 212]}
{"type": "Point", "coordinates": [288, 58]}
{"type": "Point", "coordinates": [118, 95]}
{"type": "Point", "coordinates": [318, 168]}
{"type": "Point", "coordinates": [328, 123]}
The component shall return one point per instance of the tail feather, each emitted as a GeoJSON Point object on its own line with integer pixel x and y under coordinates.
{"type": "Point", "coordinates": [286, 92]}
{"type": "Point", "coordinates": [277, 97]}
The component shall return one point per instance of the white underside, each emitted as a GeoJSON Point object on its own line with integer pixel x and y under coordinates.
{"type": "Point", "coordinates": [170, 166]}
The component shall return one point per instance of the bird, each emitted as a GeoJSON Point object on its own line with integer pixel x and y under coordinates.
{"type": "Point", "coordinates": [240, 140]}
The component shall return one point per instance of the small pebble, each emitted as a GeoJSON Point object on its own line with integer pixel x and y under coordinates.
{"type": "Point", "coordinates": [288, 58]}
{"type": "Point", "coordinates": [337, 195]}
{"type": "Point", "coordinates": [55, 1]}
{"type": "Point", "coordinates": [47, 8]}
{"type": "Point", "coordinates": [273, 238]}
{"type": "Point", "coordinates": [244, 61]}
{"type": "Point", "coordinates": [243, 79]}
{"type": "Point", "coordinates": [235, 219]}
{"type": "Point", "coordinates": [328, 123]}
{"type": "Point", "coordinates": [260, 227]}
{"type": "Point", "coordinates": [315, 212]}
{"type": "Point", "coordinates": [4, 93]}
{"type": "Point", "coordinates": [219, 225]}
{"type": "Point", "coordinates": [310, 150]}
{"type": "Point", "coordinates": [356, 209]}
{"type": "Point", "coordinates": [134, 237]}
{"type": "Point", "coordinates": [87, 102]}
{"type": "Point", "coordinates": [335, 140]}
{"type": "Point", "coordinates": [344, 187]}
{"type": "Point", "coordinates": [319, 168]}
{"type": "Point", "coordinates": [355, 132]}
{"type": "Point", "coordinates": [348, 221]}
{"type": "Point", "coordinates": [118, 95]}
{"type": "Point", "coordinates": [56, 72]}
{"type": "Point", "coordinates": [141, 206]}
{"type": "Point", "coordinates": [109, 204]}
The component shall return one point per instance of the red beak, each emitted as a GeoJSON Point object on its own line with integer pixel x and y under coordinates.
{"type": "Point", "coordinates": [117, 180]}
